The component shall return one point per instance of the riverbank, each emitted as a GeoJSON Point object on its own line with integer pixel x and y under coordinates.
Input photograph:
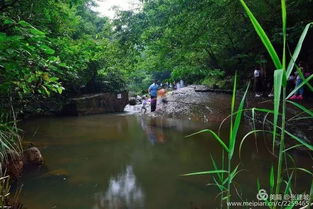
{"type": "Point", "coordinates": [118, 148]}
{"type": "Point", "coordinates": [200, 104]}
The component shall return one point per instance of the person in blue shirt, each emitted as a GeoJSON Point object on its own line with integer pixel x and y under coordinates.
{"type": "Point", "coordinates": [153, 91]}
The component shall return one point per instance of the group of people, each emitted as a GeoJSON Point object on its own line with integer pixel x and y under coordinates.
{"type": "Point", "coordinates": [261, 83]}
{"type": "Point", "coordinates": [157, 94]}
{"type": "Point", "coordinates": [153, 91]}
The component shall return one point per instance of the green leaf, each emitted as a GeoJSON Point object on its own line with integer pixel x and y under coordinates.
{"type": "Point", "coordinates": [300, 73]}
{"type": "Point", "coordinates": [306, 144]}
{"type": "Point", "coordinates": [303, 170]}
{"type": "Point", "coordinates": [284, 23]}
{"type": "Point", "coordinates": [233, 101]}
{"type": "Point", "coordinates": [204, 173]}
{"type": "Point", "coordinates": [15, 38]}
{"type": "Point", "coordinates": [220, 186]}
{"type": "Point", "coordinates": [272, 179]}
{"type": "Point", "coordinates": [311, 194]}
{"type": "Point", "coordinates": [24, 23]}
{"type": "Point", "coordinates": [263, 110]}
{"type": "Point", "coordinates": [232, 175]}
{"type": "Point", "coordinates": [214, 135]}
{"type": "Point", "coordinates": [301, 107]}
{"type": "Point", "coordinates": [37, 32]}
{"type": "Point", "coordinates": [248, 134]}
{"type": "Point", "coordinates": [278, 80]}
{"type": "Point", "coordinates": [8, 22]}
{"type": "Point", "coordinates": [292, 147]}
{"type": "Point", "coordinates": [234, 131]}
{"type": "Point", "coordinates": [62, 64]}
{"type": "Point", "coordinates": [297, 50]}
{"type": "Point", "coordinates": [3, 37]}
{"type": "Point", "coordinates": [258, 186]}
{"type": "Point", "coordinates": [288, 184]}
{"type": "Point", "coordinates": [53, 79]}
{"type": "Point", "coordinates": [215, 168]}
{"type": "Point", "coordinates": [300, 86]}
{"type": "Point", "coordinates": [47, 49]}
{"type": "Point", "coordinates": [264, 38]}
{"type": "Point", "coordinates": [46, 90]}
{"type": "Point", "coordinates": [60, 90]}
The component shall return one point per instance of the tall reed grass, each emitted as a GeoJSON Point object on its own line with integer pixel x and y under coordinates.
{"type": "Point", "coordinates": [10, 142]}
{"type": "Point", "coordinates": [280, 180]}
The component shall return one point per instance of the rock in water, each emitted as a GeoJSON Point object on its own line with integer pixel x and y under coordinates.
{"type": "Point", "coordinates": [32, 156]}
{"type": "Point", "coordinates": [96, 104]}
{"type": "Point", "coordinates": [132, 101]}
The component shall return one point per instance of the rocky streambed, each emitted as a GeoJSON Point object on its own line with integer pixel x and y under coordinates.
{"type": "Point", "coordinates": [195, 103]}
{"type": "Point", "coordinates": [200, 104]}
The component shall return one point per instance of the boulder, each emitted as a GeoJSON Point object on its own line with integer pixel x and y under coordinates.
{"type": "Point", "coordinates": [32, 157]}
{"type": "Point", "coordinates": [132, 101]}
{"type": "Point", "coordinates": [96, 104]}
{"type": "Point", "coordinates": [15, 162]}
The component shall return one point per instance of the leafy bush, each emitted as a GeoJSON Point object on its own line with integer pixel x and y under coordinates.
{"type": "Point", "coordinates": [27, 62]}
{"type": "Point", "coordinates": [216, 79]}
{"type": "Point", "coordinates": [214, 82]}
{"type": "Point", "coordinates": [139, 81]}
{"type": "Point", "coordinates": [112, 81]}
{"type": "Point", "coordinates": [189, 74]}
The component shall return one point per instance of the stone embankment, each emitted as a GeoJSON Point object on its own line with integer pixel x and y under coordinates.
{"type": "Point", "coordinates": [96, 104]}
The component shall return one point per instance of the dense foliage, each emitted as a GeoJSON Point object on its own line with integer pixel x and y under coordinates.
{"type": "Point", "coordinates": [196, 39]}
{"type": "Point", "coordinates": [63, 47]}
{"type": "Point", "coordinates": [55, 49]}
{"type": "Point", "coordinates": [51, 46]}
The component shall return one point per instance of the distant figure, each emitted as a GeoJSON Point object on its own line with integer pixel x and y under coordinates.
{"type": "Point", "coordinates": [181, 82]}
{"type": "Point", "coordinates": [177, 85]}
{"type": "Point", "coordinates": [162, 92]}
{"type": "Point", "coordinates": [307, 74]}
{"type": "Point", "coordinates": [144, 104]}
{"type": "Point", "coordinates": [299, 93]}
{"type": "Point", "coordinates": [153, 91]}
{"type": "Point", "coordinates": [257, 82]}
{"type": "Point", "coordinates": [161, 97]}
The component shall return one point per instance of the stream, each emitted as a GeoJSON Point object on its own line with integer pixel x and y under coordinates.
{"type": "Point", "coordinates": [127, 161]}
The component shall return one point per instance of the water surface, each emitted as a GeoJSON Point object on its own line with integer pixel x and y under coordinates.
{"type": "Point", "coordinates": [122, 161]}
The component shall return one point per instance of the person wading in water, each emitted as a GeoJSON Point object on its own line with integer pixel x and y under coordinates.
{"type": "Point", "coordinates": [153, 91]}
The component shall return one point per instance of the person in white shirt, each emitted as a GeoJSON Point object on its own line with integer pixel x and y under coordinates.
{"type": "Point", "coordinates": [257, 82]}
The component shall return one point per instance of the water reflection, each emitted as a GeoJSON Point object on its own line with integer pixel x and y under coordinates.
{"type": "Point", "coordinates": [154, 134]}
{"type": "Point", "coordinates": [123, 193]}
